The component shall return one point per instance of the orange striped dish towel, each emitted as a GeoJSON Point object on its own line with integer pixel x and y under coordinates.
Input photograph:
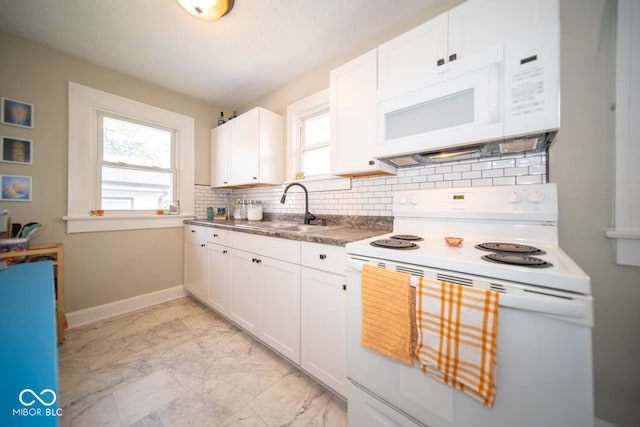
{"type": "Point", "coordinates": [388, 317]}
{"type": "Point", "coordinates": [457, 332]}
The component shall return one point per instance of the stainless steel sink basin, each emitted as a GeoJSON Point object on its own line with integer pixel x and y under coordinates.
{"type": "Point", "coordinates": [286, 226]}
{"type": "Point", "coordinates": [268, 225]}
{"type": "Point", "coordinates": [305, 228]}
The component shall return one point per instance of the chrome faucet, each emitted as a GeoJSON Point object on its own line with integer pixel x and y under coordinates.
{"type": "Point", "coordinates": [308, 216]}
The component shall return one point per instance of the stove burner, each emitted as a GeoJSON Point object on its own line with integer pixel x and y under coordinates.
{"type": "Point", "coordinates": [409, 237]}
{"type": "Point", "coordinates": [513, 248]}
{"type": "Point", "coordinates": [394, 244]}
{"type": "Point", "coordinates": [514, 259]}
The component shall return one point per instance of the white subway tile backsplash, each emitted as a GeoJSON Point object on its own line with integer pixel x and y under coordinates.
{"type": "Point", "coordinates": [374, 196]}
{"type": "Point", "coordinates": [537, 170]}
{"type": "Point", "coordinates": [516, 171]}
{"type": "Point", "coordinates": [506, 180]}
{"type": "Point", "coordinates": [492, 173]}
{"type": "Point", "coordinates": [529, 179]}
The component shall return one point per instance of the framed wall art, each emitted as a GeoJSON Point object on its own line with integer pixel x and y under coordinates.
{"type": "Point", "coordinates": [16, 150]}
{"type": "Point", "coordinates": [15, 188]}
{"type": "Point", "coordinates": [17, 113]}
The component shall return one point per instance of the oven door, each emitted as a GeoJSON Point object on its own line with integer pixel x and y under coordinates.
{"type": "Point", "coordinates": [544, 369]}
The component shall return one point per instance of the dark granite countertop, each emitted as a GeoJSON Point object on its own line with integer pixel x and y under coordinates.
{"type": "Point", "coordinates": [339, 230]}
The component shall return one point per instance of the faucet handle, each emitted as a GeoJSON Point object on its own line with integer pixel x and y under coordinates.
{"type": "Point", "coordinates": [308, 217]}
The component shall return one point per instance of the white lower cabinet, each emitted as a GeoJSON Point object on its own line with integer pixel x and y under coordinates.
{"type": "Point", "coordinates": [279, 306]}
{"type": "Point", "coordinates": [195, 260]}
{"type": "Point", "coordinates": [219, 277]}
{"type": "Point", "coordinates": [265, 294]}
{"type": "Point", "coordinates": [324, 314]}
{"type": "Point", "coordinates": [244, 290]}
{"type": "Point", "coordinates": [323, 328]}
{"type": "Point", "coordinates": [288, 294]}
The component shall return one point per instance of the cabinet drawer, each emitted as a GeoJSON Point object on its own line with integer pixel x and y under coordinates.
{"type": "Point", "coordinates": [272, 247]}
{"type": "Point", "coordinates": [324, 257]}
{"type": "Point", "coordinates": [217, 235]}
{"type": "Point", "coordinates": [194, 234]}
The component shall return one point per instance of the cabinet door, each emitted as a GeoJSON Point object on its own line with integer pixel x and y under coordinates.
{"type": "Point", "coordinates": [280, 307]}
{"type": "Point", "coordinates": [219, 275]}
{"type": "Point", "coordinates": [243, 148]}
{"type": "Point", "coordinates": [477, 25]}
{"type": "Point", "coordinates": [353, 117]}
{"type": "Point", "coordinates": [195, 261]}
{"type": "Point", "coordinates": [220, 156]}
{"type": "Point", "coordinates": [411, 59]}
{"type": "Point", "coordinates": [323, 328]}
{"type": "Point", "coordinates": [244, 290]}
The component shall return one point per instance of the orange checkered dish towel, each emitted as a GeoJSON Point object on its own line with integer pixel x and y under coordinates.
{"type": "Point", "coordinates": [457, 336]}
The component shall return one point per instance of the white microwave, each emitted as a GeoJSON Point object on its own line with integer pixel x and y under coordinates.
{"type": "Point", "coordinates": [508, 92]}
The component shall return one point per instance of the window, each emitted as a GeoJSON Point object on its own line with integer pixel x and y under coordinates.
{"type": "Point", "coordinates": [309, 144]}
{"type": "Point", "coordinates": [136, 165]}
{"type": "Point", "coordinates": [626, 229]}
{"type": "Point", "coordinates": [315, 143]}
{"type": "Point", "coordinates": [129, 159]}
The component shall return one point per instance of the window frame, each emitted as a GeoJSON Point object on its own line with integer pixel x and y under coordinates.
{"type": "Point", "coordinates": [85, 104]}
{"type": "Point", "coordinates": [101, 162]}
{"type": "Point", "coordinates": [296, 112]}
{"type": "Point", "coordinates": [626, 220]}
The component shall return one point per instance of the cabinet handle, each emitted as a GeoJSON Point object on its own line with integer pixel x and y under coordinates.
{"type": "Point", "coordinates": [255, 177]}
{"type": "Point", "coordinates": [323, 256]}
{"type": "Point", "coordinates": [215, 235]}
{"type": "Point", "coordinates": [225, 182]}
{"type": "Point", "coordinates": [225, 251]}
{"type": "Point", "coordinates": [372, 162]}
{"type": "Point", "coordinates": [344, 286]}
{"type": "Point", "coordinates": [258, 261]}
{"type": "Point", "coordinates": [202, 245]}
{"type": "Point", "coordinates": [453, 57]}
{"type": "Point", "coordinates": [193, 231]}
{"type": "Point", "coordinates": [440, 62]}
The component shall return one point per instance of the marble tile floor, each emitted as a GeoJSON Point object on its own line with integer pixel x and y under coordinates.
{"type": "Point", "coordinates": [180, 364]}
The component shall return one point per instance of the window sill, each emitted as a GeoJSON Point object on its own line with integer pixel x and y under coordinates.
{"type": "Point", "coordinates": [88, 224]}
{"type": "Point", "coordinates": [627, 246]}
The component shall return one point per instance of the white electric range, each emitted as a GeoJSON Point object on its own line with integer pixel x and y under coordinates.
{"type": "Point", "coordinates": [544, 362]}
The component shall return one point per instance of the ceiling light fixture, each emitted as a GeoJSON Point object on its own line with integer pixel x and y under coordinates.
{"type": "Point", "coordinates": [207, 10]}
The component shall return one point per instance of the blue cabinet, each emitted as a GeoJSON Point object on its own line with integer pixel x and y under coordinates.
{"type": "Point", "coordinates": [28, 346]}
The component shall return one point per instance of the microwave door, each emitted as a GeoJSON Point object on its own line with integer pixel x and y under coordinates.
{"type": "Point", "coordinates": [456, 112]}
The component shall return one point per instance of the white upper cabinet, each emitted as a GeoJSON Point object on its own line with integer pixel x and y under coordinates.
{"type": "Point", "coordinates": [220, 156]}
{"type": "Point", "coordinates": [254, 150]}
{"type": "Point", "coordinates": [458, 39]}
{"type": "Point", "coordinates": [353, 118]}
{"type": "Point", "coordinates": [411, 59]}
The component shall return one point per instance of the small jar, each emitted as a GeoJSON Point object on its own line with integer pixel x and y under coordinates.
{"type": "Point", "coordinates": [254, 210]}
{"type": "Point", "coordinates": [240, 210]}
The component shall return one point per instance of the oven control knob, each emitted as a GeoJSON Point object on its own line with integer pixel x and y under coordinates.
{"type": "Point", "coordinates": [536, 197]}
{"type": "Point", "coordinates": [403, 200]}
{"type": "Point", "coordinates": [514, 197]}
{"type": "Point", "coordinates": [415, 200]}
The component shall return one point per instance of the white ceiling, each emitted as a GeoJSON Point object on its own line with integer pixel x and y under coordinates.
{"type": "Point", "coordinates": [259, 46]}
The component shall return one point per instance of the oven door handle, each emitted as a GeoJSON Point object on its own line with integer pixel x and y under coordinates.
{"type": "Point", "coordinates": [539, 303]}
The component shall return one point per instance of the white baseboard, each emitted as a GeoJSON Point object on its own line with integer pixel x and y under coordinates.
{"type": "Point", "coordinates": [89, 315]}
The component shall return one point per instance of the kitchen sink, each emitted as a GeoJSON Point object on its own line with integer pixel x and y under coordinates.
{"type": "Point", "coordinates": [303, 228]}
{"type": "Point", "coordinates": [287, 226]}
{"type": "Point", "coordinates": [267, 225]}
